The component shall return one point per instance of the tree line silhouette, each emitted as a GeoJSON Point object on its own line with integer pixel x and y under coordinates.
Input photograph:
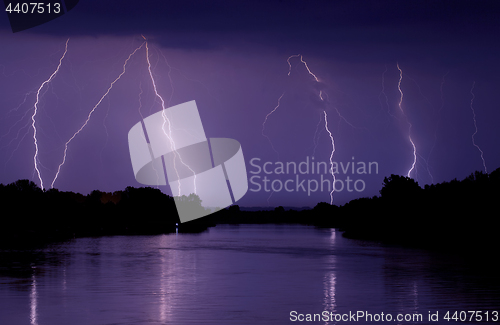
{"type": "Point", "coordinates": [32, 216]}
{"type": "Point", "coordinates": [456, 215]}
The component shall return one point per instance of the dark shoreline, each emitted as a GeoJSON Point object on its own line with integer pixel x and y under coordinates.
{"type": "Point", "coordinates": [459, 217]}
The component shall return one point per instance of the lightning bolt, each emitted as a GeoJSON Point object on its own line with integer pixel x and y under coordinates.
{"type": "Point", "coordinates": [35, 110]}
{"type": "Point", "coordinates": [90, 114]}
{"type": "Point", "coordinates": [307, 68]}
{"type": "Point", "coordinates": [326, 120]}
{"type": "Point", "coordinates": [166, 121]}
{"type": "Point", "coordinates": [383, 94]}
{"type": "Point", "coordinates": [66, 145]}
{"type": "Point", "coordinates": [169, 77]}
{"type": "Point", "coordinates": [409, 128]}
{"type": "Point", "coordinates": [429, 103]}
{"type": "Point", "coordinates": [316, 133]}
{"type": "Point", "coordinates": [331, 156]}
{"type": "Point", "coordinates": [265, 120]}
{"type": "Point", "coordinates": [321, 93]}
{"type": "Point", "coordinates": [475, 125]}
{"type": "Point", "coordinates": [13, 125]}
{"type": "Point", "coordinates": [269, 139]}
{"type": "Point", "coordinates": [20, 129]}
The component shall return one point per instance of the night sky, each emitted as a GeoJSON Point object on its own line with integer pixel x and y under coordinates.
{"type": "Point", "coordinates": [231, 58]}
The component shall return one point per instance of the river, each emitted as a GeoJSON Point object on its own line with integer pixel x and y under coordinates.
{"type": "Point", "coordinates": [247, 274]}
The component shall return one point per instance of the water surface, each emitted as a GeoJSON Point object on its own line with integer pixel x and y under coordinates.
{"type": "Point", "coordinates": [235, 275]}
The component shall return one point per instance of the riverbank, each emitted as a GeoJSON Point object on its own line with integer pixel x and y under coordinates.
{"type": "Point", "coordinates": [458, 216]}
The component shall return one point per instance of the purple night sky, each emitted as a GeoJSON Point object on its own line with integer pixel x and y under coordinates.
{"type": "Point", "coordinates": [231, 57]}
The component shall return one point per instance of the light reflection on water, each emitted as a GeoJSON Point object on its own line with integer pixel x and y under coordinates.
{"type": "Point", "coordinates": [234, 275]}
{"type": "Point", "coordinates": [330, 279]}
{"type": "Point", "coordinates": [33, 301]}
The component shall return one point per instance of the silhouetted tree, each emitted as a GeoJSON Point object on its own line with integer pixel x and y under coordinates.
{"type": "Point", "coordinates": [234, 208]}
{"type": "Point", "coordinates": [397, 186]}
{"type": "Point", "coordinates": [279, 210]}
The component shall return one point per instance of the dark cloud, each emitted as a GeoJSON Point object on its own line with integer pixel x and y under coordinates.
{"type": "Point", "coordinates": [451, 33]}
{"type": "Point", "coordinates": [195, 23]}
